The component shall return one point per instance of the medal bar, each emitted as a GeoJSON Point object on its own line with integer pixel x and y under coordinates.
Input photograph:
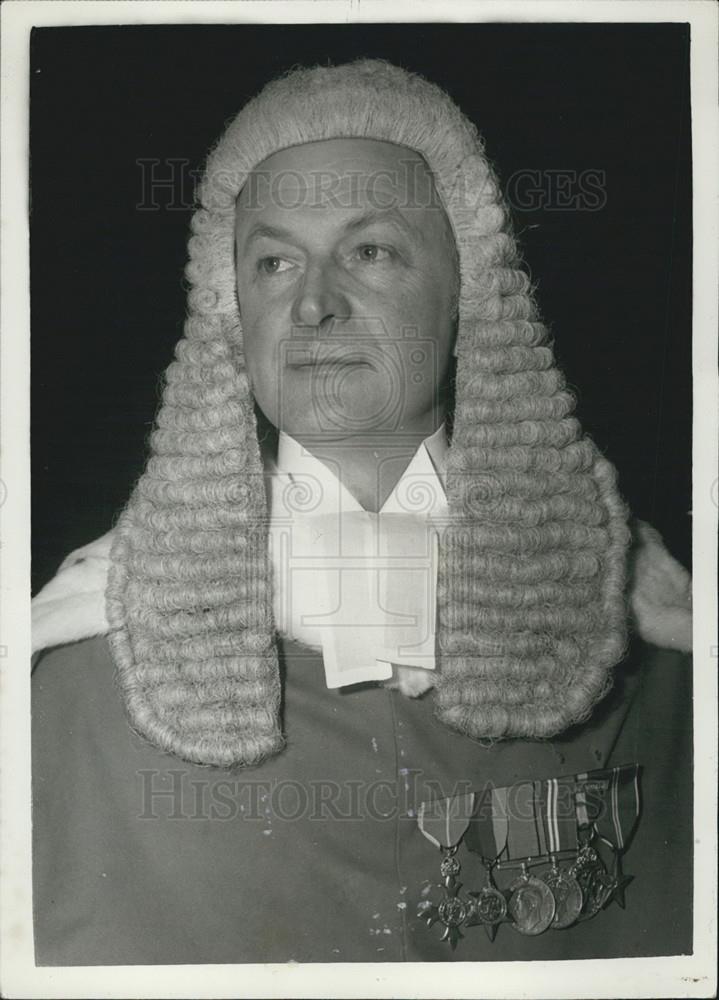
{"type": "Point", "coordinates": [523, 827]}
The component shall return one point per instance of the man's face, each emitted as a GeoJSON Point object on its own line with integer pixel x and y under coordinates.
{"type": "Point", "coordinates": [346, 281]}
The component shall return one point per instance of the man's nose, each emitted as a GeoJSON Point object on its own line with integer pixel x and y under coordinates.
{"type": "Point", "coordinates": [320, 298]}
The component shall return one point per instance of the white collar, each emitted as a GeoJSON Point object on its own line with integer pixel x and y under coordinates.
{"type": "Point", "coordinates": [426, 469]}
{"type": "Point", "coordinates": [359, 585]}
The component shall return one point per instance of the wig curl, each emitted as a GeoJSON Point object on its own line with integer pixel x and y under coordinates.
{"type": "Point", "coordinates": [531, 602]}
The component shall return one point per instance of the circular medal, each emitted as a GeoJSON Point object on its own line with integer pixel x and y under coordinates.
{"type": "Point", "coordinates": [488, 906]}
{"type": "Point", "coordinates": [568, 898]}
{"type": "Point", "coordinates": [597, 891]}
{"type": "Point", "coordinates": [452, 912]}
{"type": "Point", "coordinates": [594, 881]}
{"type": "Point", "coordinates": [531, 905]}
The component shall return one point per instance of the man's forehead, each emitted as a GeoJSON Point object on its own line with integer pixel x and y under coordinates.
{"type": "Point", "coordinates": [340, 174]}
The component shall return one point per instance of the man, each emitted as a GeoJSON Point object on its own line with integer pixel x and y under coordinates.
{"type": "Point", "coordinates": [350, 253]}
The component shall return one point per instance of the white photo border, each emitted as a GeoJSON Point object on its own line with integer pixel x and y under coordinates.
{"type": "Point", "coordinates": [682, 976]}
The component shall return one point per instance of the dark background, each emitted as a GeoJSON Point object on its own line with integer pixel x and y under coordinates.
{"type": "Point", "coordinates": [107, 289]}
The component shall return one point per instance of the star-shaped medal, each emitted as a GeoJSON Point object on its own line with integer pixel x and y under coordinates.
{"type": "Point", "coordinates": [488, 907]}
{"type": "Point", "coordinates": [450, 911]}
{"type": "Point", "coordinates": [619, 883]}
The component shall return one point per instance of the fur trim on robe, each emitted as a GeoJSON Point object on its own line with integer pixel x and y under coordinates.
{"type": "Point", "coordinates": [72, 605]}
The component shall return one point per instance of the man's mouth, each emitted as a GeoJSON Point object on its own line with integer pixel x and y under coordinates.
{"type": "Point", "coordinates": [312, 359]}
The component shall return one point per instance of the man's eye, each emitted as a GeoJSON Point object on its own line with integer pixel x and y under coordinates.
{"type": "Point", "coordinates": [273, 265]}
{"type": "Point", "coordinates": [370, 253]}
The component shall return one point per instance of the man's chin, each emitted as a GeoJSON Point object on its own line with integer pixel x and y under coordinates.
{"type": "Point", "coordinates": [350, 436]}
{"type": "Point", "coordinates": [350, 403]}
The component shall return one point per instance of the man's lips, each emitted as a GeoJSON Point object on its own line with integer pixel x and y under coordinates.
{"type": "Point", "coordinates": [323, 359]}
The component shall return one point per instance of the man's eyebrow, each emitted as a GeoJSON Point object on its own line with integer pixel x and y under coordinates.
{"type": "Point", "coordinates": [391, 215]}
{"type": "Point", "coordinates": [261, 229]}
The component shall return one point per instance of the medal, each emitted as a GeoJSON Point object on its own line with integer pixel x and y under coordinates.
{"type": "Point", "coordinates": [608, 805]}
{"type": "Point", "coordinates": [531, 831]}
{"type": "Point", "coordinates": [443, 822]}
{"type": "Point", "coordinates": [531, 904]}
{"type": "Point", "coordinates": [451, 911]}
{"type": "Point", "coordinates": [568, 898]}
{"type": "Point", "coordinates": [557, 807]}
{"type": "Point", "coordinates": [619, 882]}
{"type": "Point", "coordinates": [594, 880]}
{"type": "Point", "coordinates": [487, 907]}
{"type": "Point", "coordinates": [486, 836]}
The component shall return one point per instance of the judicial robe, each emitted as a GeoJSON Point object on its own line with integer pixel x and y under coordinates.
{"type": "Point", "coordinates": [316, 854]}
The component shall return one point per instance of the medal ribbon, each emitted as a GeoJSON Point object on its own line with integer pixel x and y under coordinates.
{"type": "Point", "coordinates": [444, 821]}
{"type": "Point", "coordinates": [487, 831]}
{"type": "Point", "coordinates": [556, 815]}
{"type": "Point", "coordinates": [523, 838]}
{"type": "Point", "coordinates": [612, 799]}
{"type": "Point", "coordinates": [537, 818]}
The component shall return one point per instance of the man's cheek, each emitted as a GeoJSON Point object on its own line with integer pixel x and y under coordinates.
{"type": "Point", "coordinates": [408, 307]}
{"type": "Point", "coordinates": [259, 359]}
